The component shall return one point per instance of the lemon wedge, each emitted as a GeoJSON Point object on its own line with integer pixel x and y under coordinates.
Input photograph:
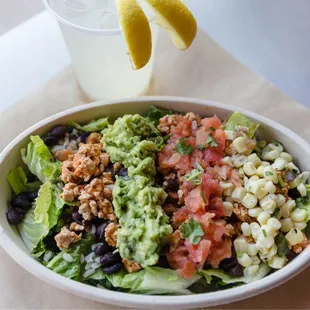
{"type": "Point", "coordinates": [136, 31]}
{"type": "Point", "coordinates": [176, 19]}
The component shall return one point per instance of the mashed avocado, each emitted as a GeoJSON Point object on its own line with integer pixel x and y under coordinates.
{"type": "Point", "coordinates": [144, 225]}
{"type": "Point", "coordinates": [134, 141]}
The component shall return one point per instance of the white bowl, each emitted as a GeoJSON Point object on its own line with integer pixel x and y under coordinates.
{"type": "Point", "coordinates": [14, 246]}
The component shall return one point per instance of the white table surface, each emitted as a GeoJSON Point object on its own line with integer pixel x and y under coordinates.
{"type": "Point", "coordinates": [271, 37]}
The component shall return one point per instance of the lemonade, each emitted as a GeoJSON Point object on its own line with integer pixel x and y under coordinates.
{"type": "Point", "coordinates": [98, 49]}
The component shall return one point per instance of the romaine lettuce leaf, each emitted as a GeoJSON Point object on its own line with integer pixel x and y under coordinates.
{"type": "Point", "coordinates": [96, 125]}
{"type": "Point", "coordinates": [18, 181]}
{"type": "Point", "coordinates": [153, 281]}
{"type": "Point", "coordinates": [238, 120]}
{"type": "Point", "coordinates": [304, 203]}
{"type": "Point", "coordinates": [39, 160]}
{"type": "Point", "coordinates": [41, 218]}
{"type": "Point", "coordinates": [71, 270]}
{"type": "Point", "coordinates": [225, 279]}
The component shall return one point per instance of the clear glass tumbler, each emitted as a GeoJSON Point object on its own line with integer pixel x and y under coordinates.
{"type": "Point", "coordinates": [98, 50]}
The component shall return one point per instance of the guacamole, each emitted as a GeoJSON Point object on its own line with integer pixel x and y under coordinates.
{"type": "Point", "coordinates": [134, 141]}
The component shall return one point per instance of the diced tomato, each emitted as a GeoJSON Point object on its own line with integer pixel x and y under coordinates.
{"type": "Point", "coordinates": [187, 187]}
{"type": "Point", "coordinates": [220, 138]}
{"type": "Point", "coordinates": [184, 164]}
{"type": "Point", "coordinates": [199, 252]}
{"type": "Point", "coordinates": [216, 206]}
{"type": "Point", "coordinates": [209, 122]}
{"type": "Point", "coordinates": [194, 201]}
{"type": "Point", "coordinates": [219, 252]}
{"type": "Point", "coordinates": [210, 186]}
{"type": "Point", "coordinates": [183, 127]}
{"type": "Point", "coordinates": [211, 155]}
{"type": "Point", "coordinates": [204, 218]}
{"type": "Point", "coordinates": [235, 178]}
{"type": "Point", "coordinates": [180, 216]}
{"type": "Point", "coordinates": [223, 171]}
{"type": "Point", "coordinates": [202, 136]}
{"type": "Point", "coordinates": [219, 231]}
{"type": "Point", "coordinates": [197, 156]}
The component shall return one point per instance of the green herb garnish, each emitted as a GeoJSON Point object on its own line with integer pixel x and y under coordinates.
{"type": "Point", "coordinates": [264, 232]}
{"type": "Point", "coordinates": [210, 142]}
{"type": "Point", "coordinates": [239, 255]}
{"type": "Point", "coordinates": [281, 182]}
{"type": "Point", "coordinates": [183, 148]}
{"type": "Point", "coordinates": [212, 128]}
{"type": "Point", "coordinates": [202, 194]}
{"type": "Point", "coordinates": [194, 177]}
{"type": "Point", "coordinates": [192, 230]}
{"type": "Point", "coordinates": [282, 245]}
{"type": "Point", "coordinates": [198, 166]}
{"type": "Point", "coordinates": [268, 173]}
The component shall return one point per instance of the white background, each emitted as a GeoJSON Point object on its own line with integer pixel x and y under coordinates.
{"type": "Point", "coordinates": [271, 37]}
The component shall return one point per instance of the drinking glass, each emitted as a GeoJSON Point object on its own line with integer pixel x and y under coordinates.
{"type": "Point", "coordinates": [98, 50]}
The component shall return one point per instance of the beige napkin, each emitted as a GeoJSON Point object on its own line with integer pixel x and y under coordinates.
{"type": "Point", "coordinates": [205, 71]}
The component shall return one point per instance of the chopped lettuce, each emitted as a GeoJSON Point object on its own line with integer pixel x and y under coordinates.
{"type": "Point", "coordinates": [39, 160]}
{"type": "Point", "coordinates": [96, 125]}
{"type": "Point", "coordinates": [73, 269]}
{"type": "Point", "coordinates": [226, 279]}
{"type": "Point", "coordinates": [154, 114]}
{"type": "Point", "coordinates": [238, 120]}
{"type": "Point", "coordinates": [17, 179]}
{"type": "Point", "coordinates": [304, 202]}
{"type": "Point", "coordinates": [151, 280]}
{"type": "Point", "coordinates": [41, 218]}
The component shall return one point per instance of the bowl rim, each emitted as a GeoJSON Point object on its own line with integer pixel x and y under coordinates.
{"type": "Point", "coordinates": [136, 300]}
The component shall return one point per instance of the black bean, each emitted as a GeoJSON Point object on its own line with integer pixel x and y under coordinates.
{"type": "Point", "coordinates": [59, 131]}
{"type": "Point", "coordinates": [84, 136]}
{"type": "Point", "coordinates": [77, 217]}
{"type": "Point", "coordinates": [15, 216]}
{"type": "Point", "coordinates": [163, 262]}
{"type": "Point", "coordinates": [112, 268]}
{"type": "Point", "coordinates": [101, 250]}
{"type": "Point", "coordinates": [123, 172]}
{"type": "Point", "coordinates": [101, 230]}
{"type": "Point", "coordinates": [32, 195]}
{"type": "Point", "coordinates": [293, 193]}
{"type": "Point", "coordinates": [110, 258]}
{"type": "Point", "coordinates": [51, 244]}
{"type": "Point", "coordinates": [50, 140]}
{"type": "Point", "coordinates": [290, 176]}
{"type": "Point", "coordinates": [232, 266]}
{"type": "Point", "coordinates": [31, 178]}
{"type": "Point", "coordinates": [236, 271]}
{"type": "Point", "coordinates": [21, 201]}
{"type": "Point", "coordinates": [172, 185]}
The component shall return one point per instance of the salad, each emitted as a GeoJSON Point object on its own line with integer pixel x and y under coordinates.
{"type": "Point", "coordinates": [164, 203]}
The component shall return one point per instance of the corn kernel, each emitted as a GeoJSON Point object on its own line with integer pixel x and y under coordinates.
{"type": "Point", "coordinates": [246, 229]}
{"type": "Point", "coordinates": [267, 198]}
{"type": "Point", "coordinates": [262, 182]}
{"type": "Point", "coordinates": [240, 144]}
{"type": "Point", "coordinates": [254, 159]}
{"type": "Point", "coordinates": [240, 245]}
{"type": "Point", "coordinates": [241, 173]}
{"type": "Point", "coordinates": [274, 224]}
{"type": "Point", "coordinates": [230, 134]}
{"type": "Point", "coordinates": [262, 144]}
{"type": "Point", "coordinates": [228, 208]}
{"type": "Point", "coordinates": [270, 174]}
{"type": "Point", "coordinates": [260, 171]}
{"type": "Point", "coordinates": [255, 228]}
{"type": "Point", "coordinates": [269, 186]}
{"type": "Point", "coordinates": [270, 155]}
{"type": "Point", "coordinates": [244, 260]}
{"type": "Point", "coordinates": [277, 262]}
{"type": "Point", "coordinates": [269, 231]}
{"type": "Point", "coordinates": [280, 200]}
{"type": "Point", "coordinates": [294, 236]}
{"type": "Point", "coordinates": [264, 257]}
{"type": "Point", "coordinates": [304, 176]}
{"type": "Point", "coordinates": [258, 190]}
{"type": "Point", "coordinates": [261, 247]}
{"type": "Point", "coordinates": [279, 164]}
{"type": "Point", "coordinates": [252, 249]}
{"type": "Point", "coordinates": [272, 251]}
{"type": "Point", "coordinates": [255, 212]}
{"type": "Point", "coordinates": [298, 215]}
{"type": "Point", "coordinates": [269, 206]}
{"type": "Point", "coordinates": [226, 161]}
{"type": "Point", "coordinates": [251, 270]}
{"type": "Point", "coordinates": [287, 208]}
{"type": "Point", "coordinates": [286, 224]}
{"type": "Point", "coordinates": [302, 189]}
{"type": "Point", "coordinates": [238, 194]}
{"type": "Point", "coordinates": [276, 146]}
{"type": "Point", "coordinates": [263, 217]}
{"type": "Point", "coordinates": [225, 185]}
{"type": "Point", "coordinates": [249, 169]}
{"type": "Point", "coordinates": [255, 259]}
{"type": "Point", "coordinates": [249, 201]}
{"type": "Point", "coordinates": [239, 161]}
{"type": "Point", "coordinates": [229, 199]}
{"type": "Point", "coordinates": [268, 241]}
{"type": "Point", "coordinates": [293, 167]}
{"type": "Point", "coordinates": [228, 192]}
{"type": "Point", "coordinates": [300, 225]}
{"type": "Point", "coordinates": [286, 156]}
{"type": "Point", "coordinates": [265, 163]}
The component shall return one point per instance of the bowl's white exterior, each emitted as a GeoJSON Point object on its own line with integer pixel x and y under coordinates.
{"type": "Point", "coordinates": [13, 245]}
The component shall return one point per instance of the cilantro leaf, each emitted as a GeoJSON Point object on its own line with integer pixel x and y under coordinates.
{"type": "Point", "coordinates": [154, 114]}
{"type": "Point", "coordinates": [194, 177]}
{"type": "Point", "coordinates": [268, 173]}
{"type": "Point", "coordinates": [199, 167]}
{"type": "Point", "coordinates": [212, 128]}
{"type": "Point", "coordinates": [210, 141]}
{"type": "Point", "coordinates": [281, 182]}
{"type": "Point", "coordinates": [192, 231]}
{"type": "Point", "coordinates": [183, 148]}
